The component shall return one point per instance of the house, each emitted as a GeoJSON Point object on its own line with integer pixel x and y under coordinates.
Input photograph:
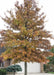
{"type": "Point", "coordinates": [3, 63]}
{"type": "Point", "coordinates": [31, 67]}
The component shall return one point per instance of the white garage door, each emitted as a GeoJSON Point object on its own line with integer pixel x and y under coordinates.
{"type": "Point", "coordinates": [31, 67]}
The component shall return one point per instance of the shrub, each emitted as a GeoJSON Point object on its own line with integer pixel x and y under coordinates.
{"type": "Point", "coordinates": [49, 68]}
{"type": "Point", "coordinates": [2, 72]}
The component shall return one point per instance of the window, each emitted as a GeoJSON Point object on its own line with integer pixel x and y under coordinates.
{"type": "Point", "coordinates": [2, 64]}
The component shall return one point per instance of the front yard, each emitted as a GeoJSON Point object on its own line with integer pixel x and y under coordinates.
{"type": "Point", "coordinates": [51, 72]}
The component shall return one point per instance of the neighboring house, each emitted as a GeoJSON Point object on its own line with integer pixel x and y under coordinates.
{"type": "Point", "coordinates": [4, 63]}
{"type": "Point", "coordinates": [31, 67]}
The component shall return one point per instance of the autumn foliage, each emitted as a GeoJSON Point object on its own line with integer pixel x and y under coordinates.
{"type": "Point", "coordinates": [30, 39]}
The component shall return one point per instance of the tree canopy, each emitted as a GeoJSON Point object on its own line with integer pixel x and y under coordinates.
{"type": "Point", "coordinates": [30, 39]}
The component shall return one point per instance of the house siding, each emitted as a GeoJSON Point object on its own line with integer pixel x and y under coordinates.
{"type": "Point", "coordinates": [7, 63]}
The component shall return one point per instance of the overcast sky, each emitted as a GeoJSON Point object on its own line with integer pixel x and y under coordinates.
{"type": "Point", "coordinates": [48, 8]}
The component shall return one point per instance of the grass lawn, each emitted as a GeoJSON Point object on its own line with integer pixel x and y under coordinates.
{"type": "Point", "coordinates": [51, 72]}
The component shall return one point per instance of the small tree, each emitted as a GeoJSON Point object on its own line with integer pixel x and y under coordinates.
{"type": "Point", "coordinates": [51, 58]}
{"type": "Point", "coordinates": [26, 44]}
{"type": "Point", "coordinates": [49, 67]}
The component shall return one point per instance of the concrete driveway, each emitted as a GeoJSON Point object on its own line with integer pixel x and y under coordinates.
{"type": "Point", "coordinates": [42, 74]}
{"type": "Point", "coordinates": [34, 74]}
{"type": "Point", "coordinates": [37, 74]}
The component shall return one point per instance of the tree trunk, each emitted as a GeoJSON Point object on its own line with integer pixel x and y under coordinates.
{"type": "Point", "coordinates": [25, 68]}
{"type": "Point", "coordinates": [14, 73]}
